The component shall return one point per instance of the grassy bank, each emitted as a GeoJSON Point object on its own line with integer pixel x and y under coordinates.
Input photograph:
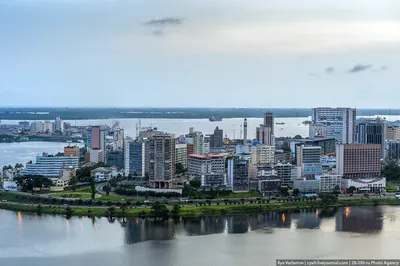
{"type": "Point", "coordinates": [203, 210]}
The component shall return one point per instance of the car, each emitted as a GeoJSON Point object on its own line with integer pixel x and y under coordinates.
{"type": "Point", "coordinates": [146, 201]}
{"type": "Point", "coordinates": [4, 200]}
{"type": "Point", "coordinates": [65, 204]}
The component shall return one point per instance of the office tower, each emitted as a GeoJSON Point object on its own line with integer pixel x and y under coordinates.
{"type": "Point", "coordinates": [262, 154]}
{"type": "Point", "coordinates": [308, 158]}
{"type": "Point", "coordinates": [238, 174]}
{"type": "Point", "coordinates": [197, 139]}
{"type": "Point", "coordinates": [245, 132]}
{"type": "Point", "coordinates": [162, 160]}
{"type": "Point", "coordinates": [98, 140]}
{"type": "Point", "coordinates": [115, 158]}
{"type": "Point", "coordinates": [286, 173]}
{"type": "Point", "coordinates": [59, 124]}
{"type": "Point", "coordinates": [269, 121]}
{"type": "Point", "coordinates": [181, 154]}
{"type": "Point", "coordinates": [210, 169]}
{"type": "Point", "coordinates": [340, 123]}
{"type": "Point", "coordinates": [265, 132]}
{"type": "Point", "coordinates": [25, 125]}
{"type": "Point", "coordinates": [48, 127]}
{"type": "Point", "coordinates": [134, 158]}
{"type": "Point", "coordinates": [118, 138]}
{"type": "Point", "coordinates": [393, 133]}
{"type": "Point", "coordinates": [372, 131]}
{"type": "Point", "coordinates": [393, 151]}
{"type": "Point", "coordinates": [218, 138]}
{"type": "Point", "coordinates": [358, 160]}
{"type": "Point", "coordinates": [96, 156]}
{"type": "Point", "coordinates": [37, 127]}
{"type": "Point", "coordinates": [206, 144]}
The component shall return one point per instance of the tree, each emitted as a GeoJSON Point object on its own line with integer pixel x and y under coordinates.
{"type": "Point", "coordinates": [28, 182]}
{"type": "Point", "coordinates": [336, 189]}
{"type": "Point", "coordinates": [195, 183]}
{"type": "Point", "coordinates": [107, 189]}
{"type": "Point", "coordinates": [179, 169]}
{"type": "Point", "coordinates": [298, 137]}
{"type": "Point", "coordinates": [18, 165]}
{"type": "Point", "coordinates": [72, 181]}
{"type": "Point", "coordinates": [92, 187]}
{"type": "Point", "coordinates": [284, 191]}
{"type": "Point", "coordinates": [68, 212]}
{"type": "Point", "coordinates": [176, 210]}
{"type": "Point", "coordinates": [39, 210]}
{"type": "Point", "coordinates": [352, 189]}
{"type": "Point", "coordinates": [327, 199]}
{"type": "Point", "coordinates": [111, 212]}
{"type": "Point", "coordinates": [296, 192]}
{"type": "Point", "coordinates": [159, 210]}
{"type": "Point", "coordinates": [391, 170]}
{"type": "Point", "coordinates": [123, 207]}
{"type": "Point", "coordinates": [146, 177]}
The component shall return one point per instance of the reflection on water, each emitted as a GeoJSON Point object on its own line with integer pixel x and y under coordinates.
{"type": "Point", "coordinates": [359, 220]}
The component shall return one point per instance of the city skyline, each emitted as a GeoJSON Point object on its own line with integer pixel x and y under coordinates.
{"type": "Point", "coordinates": [148, 53]}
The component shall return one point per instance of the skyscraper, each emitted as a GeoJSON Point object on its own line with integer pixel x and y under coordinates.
{"type": "Point", "coordinates": [218, 139]}
{"type": "Point", "coordinates": [134, 158]}
{"type": "Point", "coordinates": [162, 160]}
{"type": "Point", "coordinates": [372, 131]}
{"type": "Point", "coordinates": [238, 174]}
{"type": "Point", "coordinates": [59, 124]}
{"type": "Point", "coordinates": [265, 132]}
{"type": "Point", "coordinates": [339, 123]}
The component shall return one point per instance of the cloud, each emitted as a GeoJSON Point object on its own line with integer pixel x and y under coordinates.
{"type": "Point", "coordinates": [329, 70]}
{"type": "Point", "coordinates": [359, 68]}
{"type": "Point", "coordinates": [312, 74]}
{"type": "Point", "coordinates": [383, 68]}
{"type": "Point", "coordinates": [158, 32]}
{"type": "Point", "coordinates": [167, 21]}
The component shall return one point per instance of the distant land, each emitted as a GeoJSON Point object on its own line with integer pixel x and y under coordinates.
{"type": "Point", "coordinates": [37, 113]}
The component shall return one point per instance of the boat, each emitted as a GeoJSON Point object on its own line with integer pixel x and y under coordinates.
{"type": "Point", "coordinates": [280, 123]}
{"type": "Point", "coordinates": [215, 118]}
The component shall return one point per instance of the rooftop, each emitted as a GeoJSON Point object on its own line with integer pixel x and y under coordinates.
{"type": "Point", "coordinates": [206, 156]}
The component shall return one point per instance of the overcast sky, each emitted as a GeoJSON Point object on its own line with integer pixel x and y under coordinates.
{"type": "Point", "coordinates": [203, 53]}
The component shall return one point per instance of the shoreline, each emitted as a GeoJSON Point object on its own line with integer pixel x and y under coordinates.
{"type": "Point", "coordinates": [195, 211]}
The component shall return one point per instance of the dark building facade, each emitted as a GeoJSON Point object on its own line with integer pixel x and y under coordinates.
{"type": "Point", "coordinates": [115, 158]}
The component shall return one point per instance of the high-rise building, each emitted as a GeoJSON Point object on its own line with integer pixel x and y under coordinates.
{"type": "Point", "coordinates": [71, 151]}
{"type": "Point", "coordinates": [25, 125]}
{"type": "Point", "coordinates": [308, 155]}
{"type": "Point", "coordinates": [98, 139]}
{"type": "Point", "coordinates": [262, 154]}
{"type": "Point", "coordinates": [118, 138]}
{"type": "Point", "coordinates": [197, 139]}
{"type": "Point", "coordinates": [269, 121]}
{"type": "Point", "coordinates": [358, 160]}
{"type": "Point", "coordinates": [245, 131]}
{"type": "Point", "coordinates": [162, 160]}
{"type": "Point", "coordinates": [48, 127]}
{"type": "Point", "coordinates": [286, 172]}
{"type": "Point", "coordinates": [135, 158]}
{"type": "Point", "coordinates": [181, 154]}
{"type": "Point", "coordinates": [372, 131]}
{"type": "Point", "coordinates": [393, 133]}
{"type": "Point", "coordinates": [218, 138]}
{"type": "Point", "coordinates": [206, 144]}
{"type": "Point", "coordinates": [59, 124]}
{"type": "Point", "coordinates": [265, 132]}
{"type": "Point", "coordinates": [238, 174]}
{"type": "Point", "coordinates": [340, 123]}
{"type": "Point", "coordinates": [115, 158]}
{"type": "Point", "coordinates": [96, 155]}
{"type": "Point", "coordinates": [210, 169]}
{"type": "Point", "coordinates": [393, 151]}
{"type": "Point", "coordinates": [37, 127]}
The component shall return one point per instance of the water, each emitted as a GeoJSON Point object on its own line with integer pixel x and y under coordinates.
{"type": "Point", "coordinates": [23, 152]}
{"type": "Point", "coordinates": [352, 232]}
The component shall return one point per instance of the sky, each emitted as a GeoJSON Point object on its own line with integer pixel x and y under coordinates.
{"type": "Point", "coordinates": [200, 53]}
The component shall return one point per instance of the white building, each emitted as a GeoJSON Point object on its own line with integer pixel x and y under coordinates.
{"type": "Point", "coordinates": [101, 173]}
{"type": "Point", "coordinates": [364, 185]}
{"type": "Point", "coordinates": [51, 166]}
{"type": "Point", "coordinates": [317, 130]}
{"type": "Point", "coordinates": [262, 154]}
{"type": "Point", "coordinates": [209, 168]}
{"type": "Point", "coordinates": [206, 144]}
{"type": "Point", "coordinates": [10, 185]}
{"type": "Point", "coordinates": [48, 127]}
{"type": "Point", "coordinates": [197, 139]}
{"type": "Point", "coordinates": [328, 182]}
{"type": "Point", "coordinates": [59, 124]}
{"type": "Point", "coordinates": [37, 127]}
{"type": "Point", "coordinates": [340, 123]}
{"type": "Point", "coordinates": [265, 135]}
{"type": "Point", "coordinates": [181, 154]}
{"type": "Point", "coordinates": [96, 156]}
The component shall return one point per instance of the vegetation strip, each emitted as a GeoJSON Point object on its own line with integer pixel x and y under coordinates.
{"type": "Point", "coordinates": [163, 210]}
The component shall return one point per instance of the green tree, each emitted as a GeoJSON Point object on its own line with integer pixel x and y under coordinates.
{"type": "Point", "coordinates": [28, 182]}
{"type": "Point", "coordinates": [296, 192]}
{"type": "Point", "coordinates": [336, 189]}
{"type": "Point", "coordinates": [298, 137]}
{"type": "Point", "coordinates": [176, 210]}
{"type": "Point", "coordinates": [352, 189]}
{"type": "Point", "coordinates": [111, 212]}
{"type": "Point", "coordinates": [159, 210]}
{"type": "Point", "coordinates": [391, 170]}
{"type": "Point", "coordinates": [72, 181]}
{"type": "Point", "coordinates": [92, 187]}
{"type": "Point", "coordinates": [195, 183]}
{"type": "Point", "coordinates": [284, 191]}
{"type": "Point", "coordinates": [107, 189]}
{"type": "Point", "coordinates": [146, 177]}
{"type": "Point", "coordinates": [68, 212]}
{"type": "Point", "coordinates": [179, 169]}
{"type": "Point", "coordinates": [123, 207]}
{"type": "Point", "coordinates": [327, 199]}
{"type": "Point", "coordinates": [39, 210]}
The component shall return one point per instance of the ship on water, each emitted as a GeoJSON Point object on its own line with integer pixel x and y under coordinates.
{"type": "Point", "coordinates": [215, 118]}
